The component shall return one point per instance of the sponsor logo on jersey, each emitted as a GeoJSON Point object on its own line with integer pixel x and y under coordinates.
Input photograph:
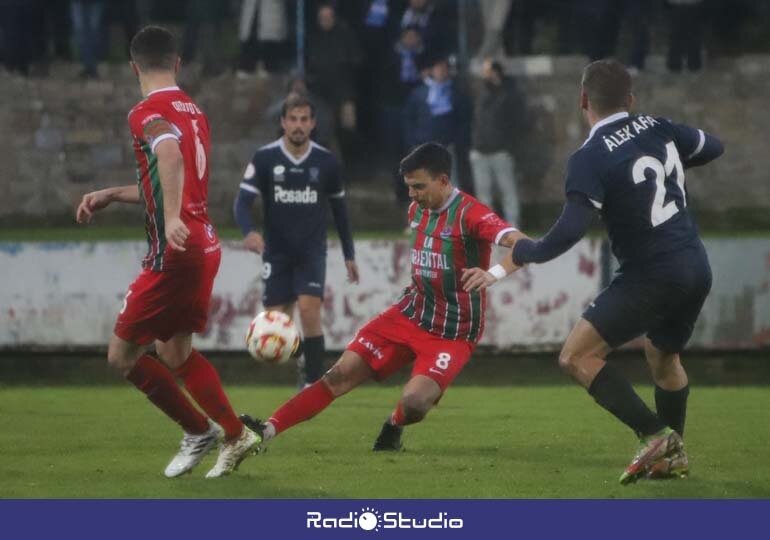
{"type": "Point", "coordinates": [446, 232]}
{"type": "Point", "coordinates": [430, 260]}
{"type": "Point", "coordinates": [295, 196]}
{"type": "Point", "coordinates": [314, 174]}
{"type": "Point", "coordinates": [279, 173]}
{"type": "Point", "coordinates": [210, 232]}
{"type": "Point", "coordinates": [371, 348]}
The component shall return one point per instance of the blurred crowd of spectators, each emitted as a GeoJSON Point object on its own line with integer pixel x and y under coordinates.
{"type": "Point", "coordinates": [383, 72]}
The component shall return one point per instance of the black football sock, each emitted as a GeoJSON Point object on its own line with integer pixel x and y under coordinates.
{"type": "Point", "coordinates": [672, 407]}
{"type": "Point", "coordinates": [314, 350]}
{"type": "Point", "coordinates": [612, 391]}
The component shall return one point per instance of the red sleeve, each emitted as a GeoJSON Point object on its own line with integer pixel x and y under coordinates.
{"type": "Point", "coordinates": [150, 126]}
{"type": "Point", "coordinates": [484, 224]}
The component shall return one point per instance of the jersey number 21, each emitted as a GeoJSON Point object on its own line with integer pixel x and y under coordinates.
{"type": "Point", "coordinates": [660, 212]}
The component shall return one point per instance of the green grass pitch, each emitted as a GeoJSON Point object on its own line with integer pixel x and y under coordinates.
{"type": "Point", "coordinates": [481, 442]}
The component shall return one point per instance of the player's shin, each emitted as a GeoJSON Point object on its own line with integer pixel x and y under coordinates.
{"type": "Point", "coordinates": [202, 382]}
{"type": "Point", "coordinates": [613, 392]}
{"type": "Point", "coordinates": [158, 384]}
{"type": "Point", "coordinates": [672, 407]}
{"type": "Point", "coordinates": [303, 406]}
{"type": "Point", "coordinates": [314, 350]}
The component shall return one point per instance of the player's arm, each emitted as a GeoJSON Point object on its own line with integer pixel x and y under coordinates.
{"type": "Point", "coordinates": [244, 201]}
{"type": "Point", "coordinates": [342, 223]}
{"type": "Point", "coordinates": [572, 225]}
{"type": "Point", "coordinates": [97, 200]}
{"type": "Point", "coordinates": [696, 146]}
{"type": "Point", "coordinates": [490, 227]}
{"type": "Point", "coordinates": [171, 172]}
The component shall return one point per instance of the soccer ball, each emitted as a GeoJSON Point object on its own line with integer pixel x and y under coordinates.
{"type": "Point", "coordinates": [272, 337]}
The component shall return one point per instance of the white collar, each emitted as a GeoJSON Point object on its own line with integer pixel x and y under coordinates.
{"type": "Point", "coordinates": [165, 89]}
{"type": "Point", "coordinates": [290, 157]}
{"type": "Point", "coordinates": [452, 197]}
{"type": "Point", "coordinates": [604, 121]}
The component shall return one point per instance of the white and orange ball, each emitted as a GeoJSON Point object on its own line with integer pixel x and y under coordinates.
{"type": "Point", "coordinates": [272, 337]}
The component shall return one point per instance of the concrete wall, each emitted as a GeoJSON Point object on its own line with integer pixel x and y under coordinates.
{"type": "Point", "coordinates": [67, 294]}
{"type": "Point", "coordinates": [62, 137]}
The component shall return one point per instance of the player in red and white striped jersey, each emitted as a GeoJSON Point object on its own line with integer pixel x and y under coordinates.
{"type": "Point", "coordinates": [435, 325]}
{"type": "Point", "coordinates": [169, 300]}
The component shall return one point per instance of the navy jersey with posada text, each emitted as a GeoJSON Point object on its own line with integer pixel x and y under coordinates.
{"type": "Point", "coordinates": [294, 195]}
{"type": "Point", "coordinates": [632, 169]}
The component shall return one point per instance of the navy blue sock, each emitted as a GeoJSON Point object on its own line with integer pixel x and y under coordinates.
{"type": "Point", "coordinates": [672, 407]}
{"type": "Point", "coordinates": [314, 350]}
{"type": "Point", "coordinates": [612, 391]}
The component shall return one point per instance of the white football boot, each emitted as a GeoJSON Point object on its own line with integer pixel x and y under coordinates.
{"type": "Point", "coordinates": [193, 449]}
{"type": "Point", "coordinates": [231, 453]}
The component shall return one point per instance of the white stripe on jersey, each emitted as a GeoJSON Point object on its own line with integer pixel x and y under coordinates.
{"type": "Point", "coordinates": [250, 188]}
{"type": "Point", "coordinates": [597, 204]}
{"type": "Point", "coordinates": [701, 142]}
{"type": "Point", "coordinates": [337, 195]}
{"type": "Point", "coordinates": [503, 233]}
{"type": "Point", "coordinates": [163, 138]}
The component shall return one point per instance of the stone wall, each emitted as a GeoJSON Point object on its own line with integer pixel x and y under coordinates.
{"type": "Point", "coordinates": [64, 137]}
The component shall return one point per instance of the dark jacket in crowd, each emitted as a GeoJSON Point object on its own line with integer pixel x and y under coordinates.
{"type": "Point", "coordinates": [499, 115]}
{"type": "Point", "coordinates": [332, 59]}
{"type": "Point", "coordinates": [422, 124]}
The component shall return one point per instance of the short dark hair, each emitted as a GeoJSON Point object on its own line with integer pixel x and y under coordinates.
{"type": "Point", "coordinates": [607, 84]}
{"type": "Point", "coordinates": [294, 100]}
{"type": "Point", "coordinates": [154, 48]}
{"type": "Point", "coordinates": [431, 156]}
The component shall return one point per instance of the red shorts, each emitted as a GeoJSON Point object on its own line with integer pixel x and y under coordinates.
{"type": "Point", "coordinates": [391, 340]}
{"type": "Point", "coordinates": [159, 305]}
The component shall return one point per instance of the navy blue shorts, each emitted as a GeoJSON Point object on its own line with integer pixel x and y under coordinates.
{"type": "Point", "coordinates": [662, 300]}
{"type": "Point", "coordinates": [287, 276]}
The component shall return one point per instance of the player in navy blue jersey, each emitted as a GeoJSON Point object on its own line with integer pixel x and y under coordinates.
{"type": "Point", "coordinates": [631, 170]}
{"type": "Point", "coordinates": [295, 178]}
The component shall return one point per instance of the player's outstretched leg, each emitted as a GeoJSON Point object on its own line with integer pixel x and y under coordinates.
{"type": "Point", "coordinates": [420, 395]}
{"type": "Point", "coordinates": [349, 371]}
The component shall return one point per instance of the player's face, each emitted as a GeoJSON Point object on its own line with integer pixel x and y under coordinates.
{"type": "Point", "coordinates": [425, 189]}
{"type": "Point", "coordinates": [297, 125]}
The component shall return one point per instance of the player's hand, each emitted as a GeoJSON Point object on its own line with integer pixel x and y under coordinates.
{"type": "Point", "coordinates": [90, 203]}
{"type": "Point", "coordinates": [176, 233]}
{"type": "Point", "coordinates": [352, 271]}
{"type": "Point", "coordinates": [254, 242]}
{"type": "Point", "coordinates": [476, 279]}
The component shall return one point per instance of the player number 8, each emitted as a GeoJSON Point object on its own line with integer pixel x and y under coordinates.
{"type": "Point", "coordinates": [442, 362]}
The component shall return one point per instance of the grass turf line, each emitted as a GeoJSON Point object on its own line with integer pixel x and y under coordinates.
{"type": "Point", "coordinates": [481, 442]}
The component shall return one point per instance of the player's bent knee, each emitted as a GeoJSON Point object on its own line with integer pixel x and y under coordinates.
{"type": "Point", "coordinates": [568, 361]}
{"type": "Point", "coordinates": [119, 361]}
{"type": "Point", "coordinates": [337, 381]}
